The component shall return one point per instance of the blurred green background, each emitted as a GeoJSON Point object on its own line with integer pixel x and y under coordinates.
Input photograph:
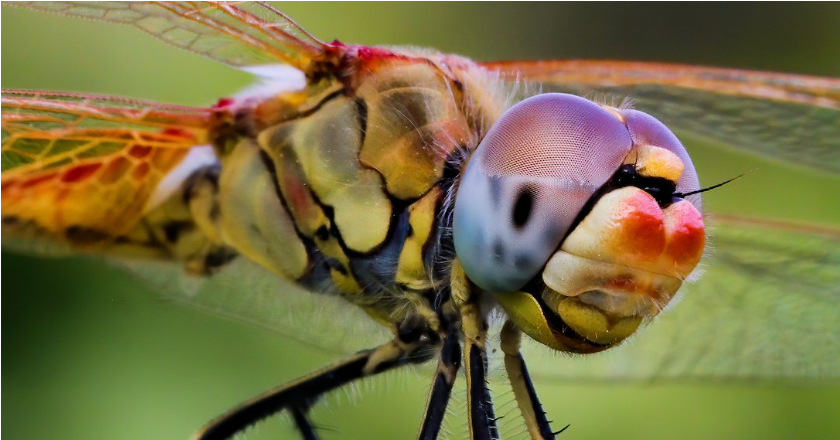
{"type": "Point", "coordinates": [89, 354]}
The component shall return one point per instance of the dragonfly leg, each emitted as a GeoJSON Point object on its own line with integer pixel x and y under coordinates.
{"type": "Point", "coordinates": [447, 369]}
{"type": "Point", "coordinates": [523, 389]}
{"type": "Point", "coordinates": [302, 393]}
{"type": "Point", "coordinates": [479, 404]}
{"type": "Point", "coordinates": [482, 419]}
{"type": "Point", "coordinates": [304, 426]}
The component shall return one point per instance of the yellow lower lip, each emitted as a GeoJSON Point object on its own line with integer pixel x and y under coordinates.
{"type": "Point", "coordinates": [588, 305]}
{"type": "Point", "coordinates": [525, 310]}
{"type": "Point", "coordinates": [592, 322]}
{"type": "Point", "coordinates": [603, 302]}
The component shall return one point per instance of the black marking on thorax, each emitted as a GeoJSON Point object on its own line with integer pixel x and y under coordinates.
{"type": "Point", "coordinates": [319, 263]}
{"type": "Point", "coordinates": [379, 267]}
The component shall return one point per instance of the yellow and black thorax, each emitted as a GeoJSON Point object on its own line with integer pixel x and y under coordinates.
{"type": "Point", "coordinates": [343, 186]}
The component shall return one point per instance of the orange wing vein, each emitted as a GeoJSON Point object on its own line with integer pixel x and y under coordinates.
{"type": "Point", "coordinates": [792, 118]}
{"type": "Point", "coordinates": [74, 162]}
{"type": "Point", "coordinates": [238, 34]}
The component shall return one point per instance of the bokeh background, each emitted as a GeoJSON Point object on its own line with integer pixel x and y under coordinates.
{"type": "Point", "coordinates": [91, 354]}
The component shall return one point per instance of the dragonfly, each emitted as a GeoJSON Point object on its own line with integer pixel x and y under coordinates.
{"type": "Point", "coordinates": [358, 167]}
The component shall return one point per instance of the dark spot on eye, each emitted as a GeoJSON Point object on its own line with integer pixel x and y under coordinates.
{"type": "Point", "coordinates": [495, 191]}
{"type": "Point", "coordinates": [498, 250]}
{"type": "Point", "coordinates": [523, 207]}
{"type": "Point", "coordinates": [552, 233]}
{"type": "Point", "coordinates": [522, 261]}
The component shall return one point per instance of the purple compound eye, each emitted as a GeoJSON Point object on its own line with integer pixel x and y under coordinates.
{"type": "Point", "coordinates": [526, 182]}
{"type": "Point", "coordinates": [647, 130]}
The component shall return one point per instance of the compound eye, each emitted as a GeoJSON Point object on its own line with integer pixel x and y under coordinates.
{"type": "Point", "coordinates": [527, 181]}
{"type": "Point", "coordinates": [647, 130]}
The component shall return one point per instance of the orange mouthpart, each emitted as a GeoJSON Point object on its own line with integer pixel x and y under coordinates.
{"type": "Point", "coordinates": [628, 227]}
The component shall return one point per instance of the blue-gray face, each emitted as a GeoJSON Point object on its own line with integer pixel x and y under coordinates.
{"type": "Point", "coordinates": [533, 173]}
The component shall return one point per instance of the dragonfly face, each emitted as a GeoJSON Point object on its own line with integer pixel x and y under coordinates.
{"type": "Point", "coordinates": [577, 248]}
{"type": "Point", "coordinates": [586, 198]}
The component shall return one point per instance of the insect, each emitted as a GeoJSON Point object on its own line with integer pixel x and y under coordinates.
{"type": "Point", "coordinates": [87, 237]}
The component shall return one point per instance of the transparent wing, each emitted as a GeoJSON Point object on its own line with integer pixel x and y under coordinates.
{"type": "Point", "coordinates": [76, 162]}
{"type": "Point", "coordinates": [766, 305]}
{"type": "Point", "coordinates": [766, 308]}
{"type": "Point", "coordinates": [792, 118]}
{"type": "Point", "coordinates": [238, 34]}
{"type": "Point", "coordinates": [89, 163]}
{"type": "Point", "coordinates": [246, 292]}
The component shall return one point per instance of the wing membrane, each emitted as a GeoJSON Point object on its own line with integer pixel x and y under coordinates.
{"type": "Point", "coordinates": [792, 118]}
{"type": "Point", "coordinates": [74, 162]}
{"type": "Point", "coordinates": [766, 308]}
{"type": "Point", "coordinates": [238, 34]}
{"type": "Point", "coordinates": [246, 292]}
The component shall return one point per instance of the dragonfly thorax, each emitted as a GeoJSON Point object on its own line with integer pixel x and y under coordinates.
{"type": "Point", "coordinates": [347, 181]}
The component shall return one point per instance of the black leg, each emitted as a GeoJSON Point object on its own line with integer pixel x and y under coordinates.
{"type": "Point", "coordinates": [303, 392]}
{"type": "Point", "coordinates": [526, 396]}
{"type": "Point", "coordinates": [479, 404]}
{"type": "Point", "coordinates": [307, 431]}
{"type": "Point", "coordinates": [482, 418]}
{"type": "Point", "coordinates": [448, 365]}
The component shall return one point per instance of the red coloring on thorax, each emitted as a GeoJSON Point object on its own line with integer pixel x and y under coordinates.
{"type": "Point", "coordinates": [223, 103]}
{"type": "Point", "coordinates": [177, 132]}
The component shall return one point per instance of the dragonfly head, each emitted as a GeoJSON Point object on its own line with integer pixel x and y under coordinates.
{"type": "Point", "coordinates": [570, 213]}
